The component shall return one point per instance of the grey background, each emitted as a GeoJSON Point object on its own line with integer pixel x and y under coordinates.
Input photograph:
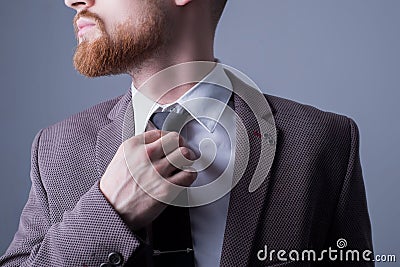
{"type": "Point", "coordinates": [338, 55]}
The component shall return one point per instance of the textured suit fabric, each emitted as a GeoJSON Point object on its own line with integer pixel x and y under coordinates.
{"type": "Point", "coordinates": [313, 195]}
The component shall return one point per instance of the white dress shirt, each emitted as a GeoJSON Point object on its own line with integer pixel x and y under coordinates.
{"type": "Point", "coordinates": [210, 121]}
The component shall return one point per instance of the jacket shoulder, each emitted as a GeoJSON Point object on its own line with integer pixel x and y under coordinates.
{"type": "Point", "coordinates": [93, 117]}
{"type": "Point", "coordinates": [309, 125]}
{"type": "Point", "coordinates": [78, 128]}
{"type": "Point", "coordinates": [301, 114]}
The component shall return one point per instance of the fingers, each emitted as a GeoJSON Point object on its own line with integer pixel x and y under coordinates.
{"type": "Point", "coordinates": [175, 161]}
{"type": "Point", "coordinates": [167, 143]}
{"type": "Point", "coordinates": [168, 155]}
{"type": "Point", "coordinates": [184, 178]}
{"type": "Point", "coordinates": [152, 136]}
{"type": "Point", "coordinates": [181, 157]}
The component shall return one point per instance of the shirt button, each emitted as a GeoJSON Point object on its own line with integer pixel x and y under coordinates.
{"type": "Point", "coordinates": [106, 264]}
{"type": "Point", "coordinates": [115, 258]}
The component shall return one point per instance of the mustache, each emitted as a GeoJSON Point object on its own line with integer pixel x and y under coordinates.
{"type": "Point", "coordinates": [88, 15]}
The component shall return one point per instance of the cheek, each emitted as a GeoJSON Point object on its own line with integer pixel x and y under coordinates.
{"type": "Point", "coordinates": [114, 13]}
{"type": "Point", "coordinates": [115, 22]}
{"type": "Point", "coordinates": [120, 10]}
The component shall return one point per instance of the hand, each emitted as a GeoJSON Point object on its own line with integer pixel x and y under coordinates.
{"type": "Point", "coordinates": [142, 160]}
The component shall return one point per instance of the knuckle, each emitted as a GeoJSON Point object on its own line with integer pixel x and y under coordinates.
{"type": "Point", "coordinates": [132, 142]}
{"type": "Point", "coordinates": [154, 131]}
{"type": "Point", "coordinates": [174, 136]}
{"type": "Point", "coordinates": [157, 133]}
{"type": "Point", "coordinates": [150, 150]}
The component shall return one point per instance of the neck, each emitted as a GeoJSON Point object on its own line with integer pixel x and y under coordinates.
{"type": "Point", "coordinates": [176, 81]}
{"type": "Point", "coordinates": [174, 77]}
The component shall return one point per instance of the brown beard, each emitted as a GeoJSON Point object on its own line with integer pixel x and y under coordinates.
{"type": "Point", "coordinates": [127, 48]}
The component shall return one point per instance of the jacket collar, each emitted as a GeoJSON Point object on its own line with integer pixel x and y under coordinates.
{"type": "Point", "coordinates": [215, 86]}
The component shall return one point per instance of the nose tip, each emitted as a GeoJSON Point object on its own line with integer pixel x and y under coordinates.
{"type": "Point", "coordinates": [79, 4]}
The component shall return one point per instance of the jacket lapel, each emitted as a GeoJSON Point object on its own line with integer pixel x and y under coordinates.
{"type": "Point", "coordinates": [255, 150]}
{"type": "Point", "coordinates": [111, 136]}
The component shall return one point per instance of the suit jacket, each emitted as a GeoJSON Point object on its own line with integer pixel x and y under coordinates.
{"type": "Point", "coordinates": [312, 196]}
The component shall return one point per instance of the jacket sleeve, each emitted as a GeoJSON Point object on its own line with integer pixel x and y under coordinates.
{"type": "Point", "coordinates": [351, 227]}
{"type": "Point", "coordinates": [88, 235]}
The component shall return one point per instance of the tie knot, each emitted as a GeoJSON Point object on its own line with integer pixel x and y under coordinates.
{"type": "Point", "coordinates": [170, 121]}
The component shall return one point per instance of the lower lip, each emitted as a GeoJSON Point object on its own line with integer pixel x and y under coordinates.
{"type": "Point", "coordinates": [82, 31]}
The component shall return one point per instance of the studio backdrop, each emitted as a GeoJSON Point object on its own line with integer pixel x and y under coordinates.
{"type": "Point", "coordinates": [338, 55]}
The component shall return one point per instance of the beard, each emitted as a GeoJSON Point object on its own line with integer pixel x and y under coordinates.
{"type": "Point", "coordinates": [128, 47]}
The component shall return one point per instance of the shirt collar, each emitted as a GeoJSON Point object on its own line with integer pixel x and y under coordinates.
{"type": "Point", "coordinates": [216, 86]}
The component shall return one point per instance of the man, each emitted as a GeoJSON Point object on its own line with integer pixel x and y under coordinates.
{"type": "Point", "coordinates": [98, 199]}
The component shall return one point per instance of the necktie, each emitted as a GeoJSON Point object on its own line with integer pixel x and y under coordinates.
{"type": "Point", "coordinates": [170, 121]}
{"type": "Point", "coordinates": [171, 233]}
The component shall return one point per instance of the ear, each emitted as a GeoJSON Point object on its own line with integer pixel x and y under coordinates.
{"type": "Point", "coordinates": [182, 2]}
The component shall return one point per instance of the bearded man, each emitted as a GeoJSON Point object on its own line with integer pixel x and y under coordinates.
{"type": "Point", "coordinates": [112, 185]}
